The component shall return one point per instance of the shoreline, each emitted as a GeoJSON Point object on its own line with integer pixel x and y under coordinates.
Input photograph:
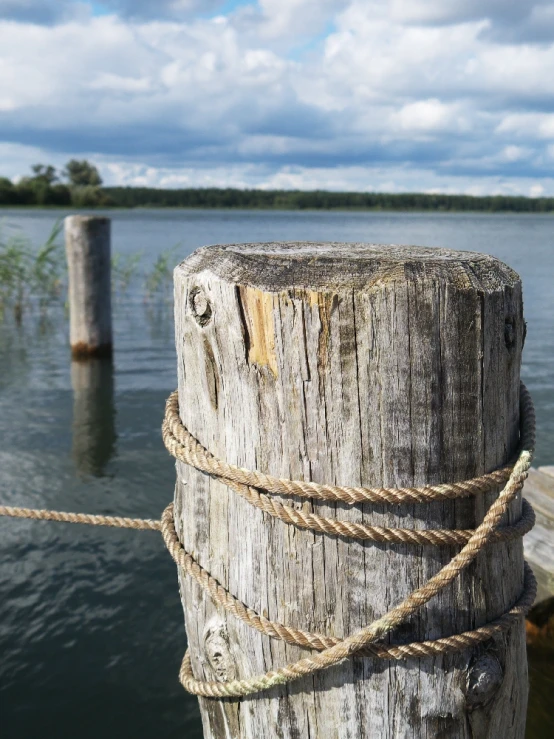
{"type": "Point", "coordinates": [273, 209]}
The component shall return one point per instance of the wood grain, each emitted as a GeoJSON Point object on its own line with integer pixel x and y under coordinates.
{"type": "Point", "coordinates": [352, 364]}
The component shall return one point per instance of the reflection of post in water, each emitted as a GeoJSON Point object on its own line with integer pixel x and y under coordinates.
{"type": "Point", "coordinates": [93, 415]}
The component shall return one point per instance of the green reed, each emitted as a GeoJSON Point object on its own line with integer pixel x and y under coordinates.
{"type": "Point", "coordinates": [125, 268]}
{"type": "Point", "coordinates": [158, 282]}
{"type": "Point", "coordinates": [30, 276]}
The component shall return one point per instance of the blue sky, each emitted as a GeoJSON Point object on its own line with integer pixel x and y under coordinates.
{"type": "Point", "coordinates": [405, 95]}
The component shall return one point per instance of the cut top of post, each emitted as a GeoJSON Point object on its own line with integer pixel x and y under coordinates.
{"type": "Point", "coordinates": [87, 221]}
{"type": "Point", "coordinates": [277, 266]}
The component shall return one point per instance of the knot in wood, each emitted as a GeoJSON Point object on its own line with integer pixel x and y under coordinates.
{"type": "Point", "coordinates": [483, 680]}
{"type": "Point", "coordinates": [216, 645]}
{"type": "Point", "coordinates": [200, 306]}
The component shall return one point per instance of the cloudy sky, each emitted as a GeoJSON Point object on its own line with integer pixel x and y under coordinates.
{"type": "Point", "coordinates": [404, 95]}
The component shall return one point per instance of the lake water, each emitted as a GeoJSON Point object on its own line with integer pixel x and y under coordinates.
{"type": "Point", "coordinates": [91, 627]}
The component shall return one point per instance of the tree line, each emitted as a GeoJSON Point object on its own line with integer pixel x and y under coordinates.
{"type": "Point", "coordinates": [147, 197]}
{"type": "Point", "coordinates": [79, 185]}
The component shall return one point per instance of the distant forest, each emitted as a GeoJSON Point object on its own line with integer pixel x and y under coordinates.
{"type": "Point", "coordinates": [129, 197]}
{"type": "Point", "coordinates": [79, 186]}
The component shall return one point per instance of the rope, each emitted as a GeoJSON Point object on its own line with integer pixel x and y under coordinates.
{"type": "Point", "coordinates": [307, 640]}
{"type": "Point", "coordinates": [332, 527]}
{"type": "Point", "coordinates": [186, 448]}
{"type": "Point", "coordinates": [144, 524]}
{"type": "Point", "coordinates": [448, 645]}
{"type": "Point", "coordinates": [181, 444]}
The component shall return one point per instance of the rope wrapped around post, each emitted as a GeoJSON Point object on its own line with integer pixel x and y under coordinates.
{"type": "Point", "coordinates": [183, 446]}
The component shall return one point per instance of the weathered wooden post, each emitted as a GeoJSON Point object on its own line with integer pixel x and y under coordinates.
{"type": "Point", "coordinates": [353, 365]}
{"type": "Point", "coordinates": [93, 430]}
{"type": "Point", "coordinates": [87, 246]}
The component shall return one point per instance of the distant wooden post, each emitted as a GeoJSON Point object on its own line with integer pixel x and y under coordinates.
{"type": "Point", "coordinates": [354, 365]}
{"type": "Point", "coordinates": [87, 244]}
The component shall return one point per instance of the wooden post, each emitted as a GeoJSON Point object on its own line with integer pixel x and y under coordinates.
{"type": "Point", "coordinates": [93, 431]}
{"type": "Point", "coordinates": [87, 245]}
{"type": "Point", "coordinates": [356, 365]}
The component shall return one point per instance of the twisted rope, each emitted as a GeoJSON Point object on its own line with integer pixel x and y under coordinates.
{"type": "Point", "coordinates": [37, 514]}
{"type": "Point", "coordinates": [181, 444]}
{"type": "Point", "coordinates": [307, 640]}
{"type": "Point", "coordinates": [447, 645]}
{"type": "Point", "coordinates": [185, 447]}
{"type": "Point", "coordinates": [430, 537]}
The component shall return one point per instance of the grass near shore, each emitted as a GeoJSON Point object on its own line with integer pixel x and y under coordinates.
{"type": "Point", "coordinates": [32, 279]}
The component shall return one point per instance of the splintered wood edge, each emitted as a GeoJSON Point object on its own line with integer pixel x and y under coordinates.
{"type": "Point", "coordinates": [276, 266]}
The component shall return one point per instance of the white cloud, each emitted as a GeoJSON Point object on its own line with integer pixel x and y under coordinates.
{"type": "Point", "coordinates": [540, 125]}
{"type": "Point", "coordinates": [7, 103]}
{"type": "Point", "coordinates": [513, 153]}
{"type": "Point", "coordinates": [403, 86]}
{"type": "Point", "coordinates": [372, 57]}
{"type": "Point", "coordinates": [362, 178]}
{"type": "Point", "coordinates": [536, 191]}
{"type": "Point", "coordinates": [118, 83]}
{"type": "Point", "coordinates": [277, 18]}
{"type": "Point", "coordinates": [357, 178]}
{"type": "Point", "coordinates": [518, 71]}
{"type": "Point", "coordinates": [52, 67]}
{"type": "Point", "coordinates": [429, 116]}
